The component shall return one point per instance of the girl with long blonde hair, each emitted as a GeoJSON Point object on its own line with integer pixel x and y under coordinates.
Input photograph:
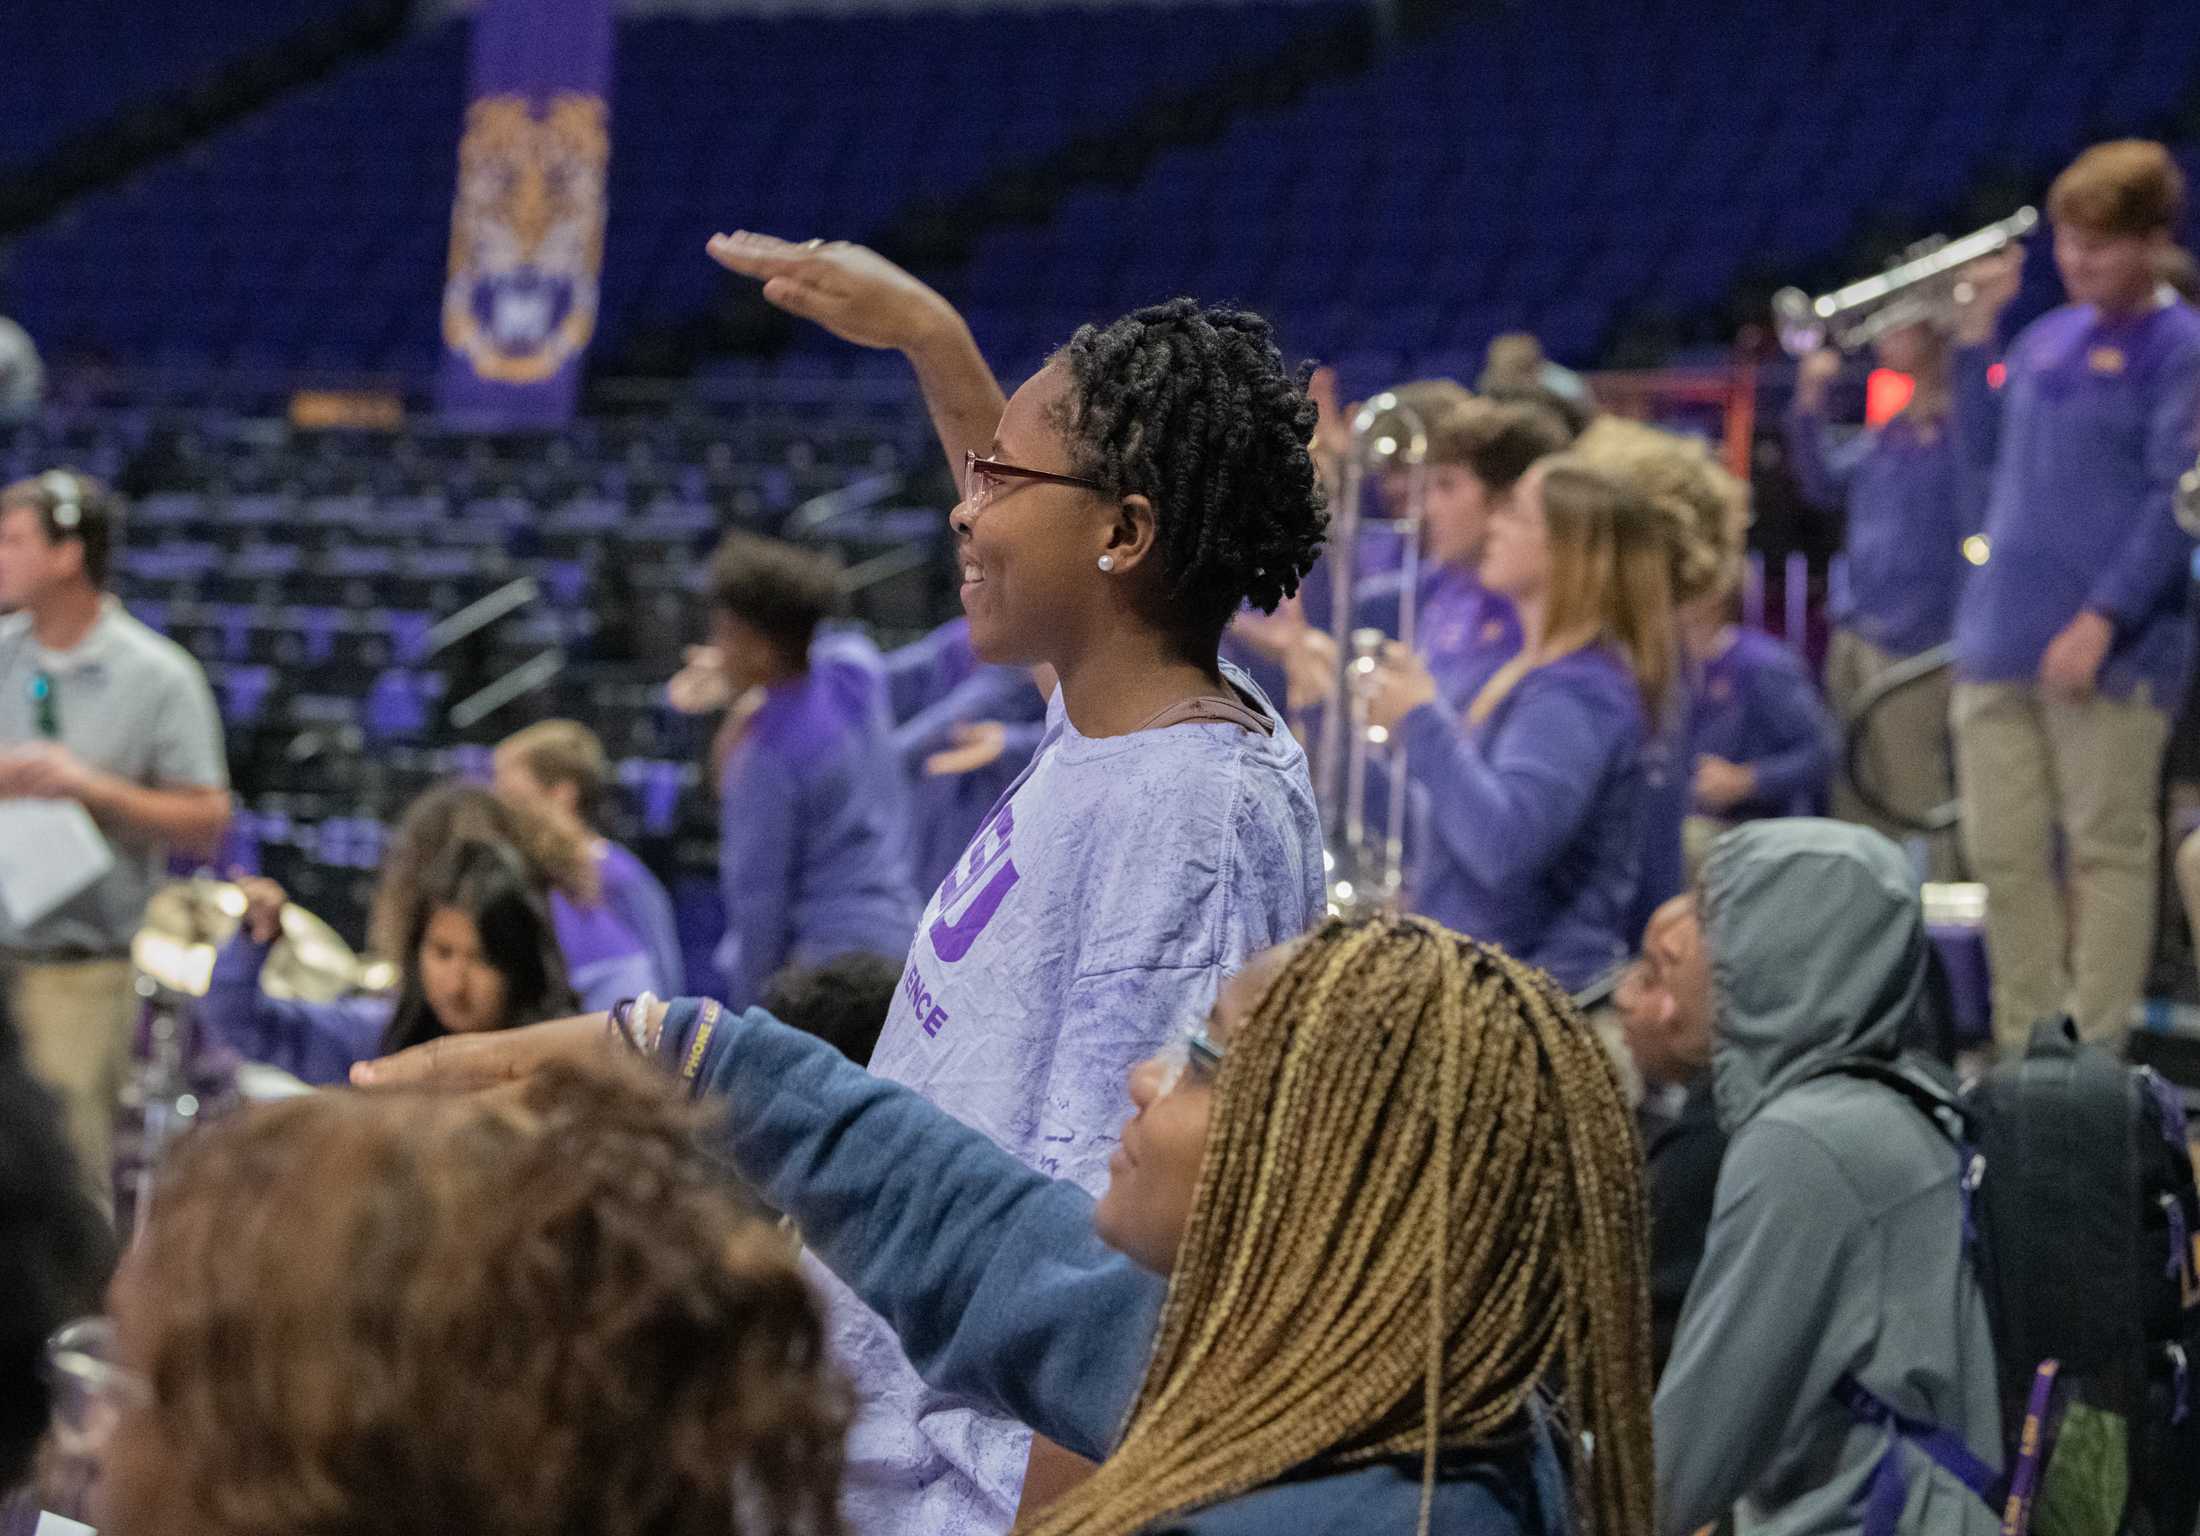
{"type": "Point", "coordinates": [1370, 1257]}
{"type": "Point", "coordinates": [1533, 797]}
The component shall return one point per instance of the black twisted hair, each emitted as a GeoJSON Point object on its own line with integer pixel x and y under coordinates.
{"type": "Point", "coordinates": [1194, 409]}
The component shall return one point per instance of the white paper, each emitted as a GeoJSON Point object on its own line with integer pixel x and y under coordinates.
{"type": "Point", "coordinates": [49, 851]}
{"type": "Point", "coordinates": [54, 1525]}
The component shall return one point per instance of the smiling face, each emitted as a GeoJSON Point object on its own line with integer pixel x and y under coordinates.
{"type": "Point", "coordinates": [1154, 1172]}
{"type": "Point", "coordinates": [1030, 549]}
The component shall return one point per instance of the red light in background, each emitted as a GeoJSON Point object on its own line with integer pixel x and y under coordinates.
{"type": "Point", "coordinates": [1996, 374]}
{"type": "Point", "coordinates": [1886, 392]}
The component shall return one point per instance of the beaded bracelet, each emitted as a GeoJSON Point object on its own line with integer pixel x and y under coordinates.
{"type": "Point", "coordinates": [639, 1035]}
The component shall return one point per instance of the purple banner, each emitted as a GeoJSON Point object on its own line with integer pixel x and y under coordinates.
{"type": "Point", "coordinates": [519, 303]}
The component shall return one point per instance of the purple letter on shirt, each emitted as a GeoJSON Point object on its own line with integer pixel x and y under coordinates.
{"type": "Point", "coordinates": [954, 932]}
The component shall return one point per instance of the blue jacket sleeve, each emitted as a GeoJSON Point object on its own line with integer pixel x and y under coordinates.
{"type": "Point", "coordinates": [990, 1274]}
{"type": "Point", "coordinates": [313, 1042]}
{"type": "Point", "coordinates": [990, 693]}
{"type": "Point", "coordinates": [1822, 467]}
{"type": "Point", "coordinates": [1975, 409]}
{"type": "Point", "coordinates": [1792, 738]}
{"type": "Point", "coordinates": [1509, 809]}
{"type": "Point", "coordinates": [756, 857]}
{"type": "Point", "coordinates": [2155, 562]}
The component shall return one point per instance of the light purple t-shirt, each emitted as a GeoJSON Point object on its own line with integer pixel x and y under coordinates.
{"type": "Point", "coordinates": [1092, 917]}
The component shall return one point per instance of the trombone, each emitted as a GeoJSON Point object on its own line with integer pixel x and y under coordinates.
{"type": "Point", "coordinates": [1364, 863]}
{"type": "Point", "coordinates": [1922, 286]}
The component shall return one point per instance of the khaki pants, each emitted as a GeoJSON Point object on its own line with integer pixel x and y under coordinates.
{"type": "Point", "coordinates": [75, 1019]}
{"type": "Point", "coordinates": [2029, 767]}
{"type": "Point", "coordinates": [1905, 755]}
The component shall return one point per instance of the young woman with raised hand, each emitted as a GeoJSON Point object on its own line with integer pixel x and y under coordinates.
{"type": "Point", "coordinates": [1147, 483]}
{"type": "Point", "coordinates": [1370, 1259]}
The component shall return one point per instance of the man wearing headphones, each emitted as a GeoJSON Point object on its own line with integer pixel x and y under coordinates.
{"type": "Point", "coordinates": [97, 709]}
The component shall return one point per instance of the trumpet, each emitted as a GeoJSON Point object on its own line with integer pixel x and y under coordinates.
{"type": "Point", "coordinates": [1924, 285]}
{"type": "Point", "coordinates": [1364, 863]}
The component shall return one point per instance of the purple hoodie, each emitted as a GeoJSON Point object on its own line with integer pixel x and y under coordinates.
{"type": "Point", "coordinates": [814, 828]}
{"type": "Point", "coordinates": [1533, 836]}
{"type": "Point", "coordinates": [2086, 440]}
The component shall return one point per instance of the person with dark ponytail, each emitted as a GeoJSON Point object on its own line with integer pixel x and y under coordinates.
{"type": "Point", "coordinates": [1147, 483]}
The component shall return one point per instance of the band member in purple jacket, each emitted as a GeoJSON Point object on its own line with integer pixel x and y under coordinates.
{"type": "Point", "coordinates": [2071, 640]}
{"type": "Point", "coordinates": [1908, 507]}
{"type": "Point", "coordinates": [1764, 742]}
{"type": "Point", "coordinates": [559, 769]}
{"type": "Point", "coordinates": [1535, 791]}
{"type": "Point", "coordinates": [1143, 487]}
{"type": "Point", "coordinates": [814, 820]}
{"type": "Point", "coordinates": [1705, 511]}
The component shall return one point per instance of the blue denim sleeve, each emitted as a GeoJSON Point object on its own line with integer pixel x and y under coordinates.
{"type": "Point", "coordinates": [991, 1275]}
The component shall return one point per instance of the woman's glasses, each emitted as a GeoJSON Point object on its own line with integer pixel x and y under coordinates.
{"type": "Point", "coordinates": [981, 476]}
{"type": "Point", "coordinates": [1192, 1055]}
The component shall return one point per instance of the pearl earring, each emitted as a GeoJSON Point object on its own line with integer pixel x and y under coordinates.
{"type": "Point", "coordinates": [1107, 562]}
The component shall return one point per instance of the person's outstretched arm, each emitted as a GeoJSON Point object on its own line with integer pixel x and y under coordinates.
{"type": "Point", "coordinates": [990, 1274]}
{"type": "Point", "coordinates": [313, 1042]}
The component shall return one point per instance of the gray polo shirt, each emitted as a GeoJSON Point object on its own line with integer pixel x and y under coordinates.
{"type": "Point", "coordinates": [130, 702]}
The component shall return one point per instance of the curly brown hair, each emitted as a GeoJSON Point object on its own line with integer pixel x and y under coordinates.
{"type": "Point", "coordinates": [457, 812]}
{"type": "Point", "coordinates": [542, 1310]}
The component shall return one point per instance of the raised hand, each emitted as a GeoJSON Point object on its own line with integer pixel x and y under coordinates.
{"type": "Point", "coordinates": [1983, 290]}
{"type": "Point", "coordinates": [264, 901]}
{"type": "Point", "coordinates": [849, 289]}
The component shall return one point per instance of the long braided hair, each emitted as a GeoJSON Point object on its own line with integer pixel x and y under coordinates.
{"type": "Point", "coordinates": [1420, 1210]}
{"type": "Point", "coordinates": [1193, 408]}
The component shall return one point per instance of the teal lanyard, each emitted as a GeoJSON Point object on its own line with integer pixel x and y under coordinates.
{"type": "Point", "coordinates": [45, 705]}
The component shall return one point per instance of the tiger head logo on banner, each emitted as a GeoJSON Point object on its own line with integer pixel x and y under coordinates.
{"type": "Point", "coordinates": [527, 236]}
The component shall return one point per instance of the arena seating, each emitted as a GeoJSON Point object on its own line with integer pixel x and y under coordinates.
{"type": "Point", "coordinates": [315, 233]}
{"type": "Point", "coordinates": [66, 76]}
{"type": "Point", "coordinates": [308, 571]}
{"type": "Point", "coordinates": [1550, 169]}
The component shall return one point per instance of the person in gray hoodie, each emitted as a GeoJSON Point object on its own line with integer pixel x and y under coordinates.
{"type": "Point", "coordinates": [1836, 1245]}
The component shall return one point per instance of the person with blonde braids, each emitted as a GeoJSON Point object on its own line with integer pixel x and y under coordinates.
{"type": "Point", "coordinates": [1371, 1257]}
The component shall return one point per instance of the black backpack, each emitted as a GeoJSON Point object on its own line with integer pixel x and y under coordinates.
{"type": "Point", "coordinates": [2080, 1216]}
